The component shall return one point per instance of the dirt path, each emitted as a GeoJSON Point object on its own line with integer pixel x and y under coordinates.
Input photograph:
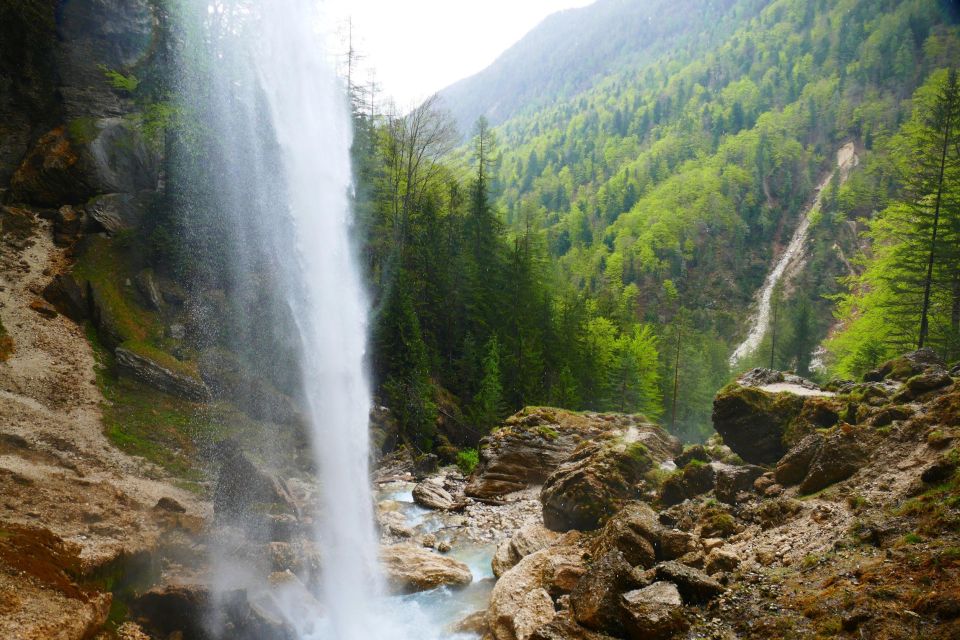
{"type": "Point", "coordinates": [58, 471]}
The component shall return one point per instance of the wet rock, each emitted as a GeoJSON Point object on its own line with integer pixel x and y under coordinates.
{"type": "Point", "coordinates": [795, 465]}
{"type": "Point", "coordinates": [754, 423]}
{"type": "Point", "coordinates": [596, 599]}
{"type": "Point", "coordinates": [432, 495]}
{"type": "Point", "coordinates": [52, 174]}
{"type": "Point", "coordinates": [653, 613]}
{"type": "Point", "coordinates": [633, 531]}
{"type": "Point", "coordinates": [148, 288]}
{"type": "Point", "coordinates": [841, 455]}
{"type": "Point", "coordinates": [164, 377]}
{"type": "Point", "coordinates": [529, 539]}
{"type": "Point", "coordinates": [475, 623]}
{"type": "Point", "coordinates": [243, 489]}
{"type": "Point", "coordinates": [67, 296]}
{"type": "Point", "coordinates": [116, 212]}
{"type": "Point", "coordinates": [410, 569]}
{"type": "Point", "coordinates": [695, 586]}
{"type": "Point", "coordinates": [68, 224]}
{"type": "Point", "coordinates": [227, 377]}
{"type": "Point", "coordinates": [693, 480]}
{"type": "Point", "coordinates": [169, 504]}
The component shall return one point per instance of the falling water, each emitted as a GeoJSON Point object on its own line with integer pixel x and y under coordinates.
{"type": "Point", "coordinates": [760, 321]}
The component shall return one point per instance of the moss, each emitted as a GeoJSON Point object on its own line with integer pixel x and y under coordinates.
{"type": "Point", "coordinates": [548, 432]}
{"type": "Point", "coordinates": [637, 452]}
{"type": "Point", "coordinates": [82, 130]}
{"type": "Point", "coordinates": [467, 460]}
{"type": "Point", "coordinates": [164, 359]}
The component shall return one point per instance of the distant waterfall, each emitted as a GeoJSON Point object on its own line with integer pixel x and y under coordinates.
{"type": "Point", "coordinates": [760, 321]}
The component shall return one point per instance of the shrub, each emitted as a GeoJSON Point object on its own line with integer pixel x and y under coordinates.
{"type": "Point", "coordinates": [467, 460]}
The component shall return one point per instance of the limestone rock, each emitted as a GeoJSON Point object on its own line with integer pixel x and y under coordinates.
{"type": "Point", "coordinates": [411, 568]}
{"type": "Point", "coordinates": [841, 455]}
{"type": "Point", "coordinates": [528, 539]}
{"type": "Point", "coordinates": [693, 480]}
{"type": "Point", "coordinates": [653, 613]}
{"type": "Point", "coordinates": [242, 488]}
{"type": "Point", "coordinates": [593, 482]}
{"type": "Point", "coordinates": [432, 495]}
{"type": "Point", "coordinates": [635, 532]}
{"type": "Point", "coordinates": [754, 422]}
{"type": "Point", "coordinates": [732, 480]}
{"type": "Point", "coordinates": [793, 467]}
{"type": "Point", "coordinates": [596, 599]}
{"type": "Point", "coordinates": [694, 585]}
{"type": "Point", "coordinates": [522, 599]}
{"type": "Point", "coordinates": [562, 627]}
{"type": "Point", "coordinates": [161, 376]}
{"type": "Point", "coordinates": [720, 560]}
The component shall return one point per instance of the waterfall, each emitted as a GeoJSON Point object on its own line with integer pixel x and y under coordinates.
{"type": "Point", "coordinates": [264, 89]}
{"type": "Point", "coordinates": [760, 320]}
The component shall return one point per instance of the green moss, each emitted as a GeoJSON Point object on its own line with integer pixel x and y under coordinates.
{"type": "Point", "coordinates": [82, 130]}
{"type": "Point", "coordinates": [639, 453]}
{"type": "Point", "coordinates": [548, 432]}
{"type": "Point", "coordinates": [467, 460]}
{"type": "Point", "coordinates": [164, 359]}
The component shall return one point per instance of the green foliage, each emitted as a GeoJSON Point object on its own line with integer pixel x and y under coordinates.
{"type": "Point", "coordinates": [120, 81]}
{"type": "Point", "coordinates": [487, 407]}
{"type": "Point", "coordinates": [467, 460]}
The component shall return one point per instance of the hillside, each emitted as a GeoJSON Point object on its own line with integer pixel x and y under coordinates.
{"type": "Point", "coordinates": [571, 50]}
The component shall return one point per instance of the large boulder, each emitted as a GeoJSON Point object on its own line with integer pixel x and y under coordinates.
{"type": "Point", "coordinates": [522, 600]}
{"type": "Point", "coordinates": [906, 366]}
{"type": "Point", "coordinates": [793, 467]}
{"type": "Point", "coordinates": [243, 490]}
{"type": "Point", "coordinates": [760, 423]}
{"type": "Point", "coordinates": [534, 442]}
{"type": "Point", "coordinates": [635, 532]}
{"type": "Point", "coordinates": [563, 627]}
{"type": "Point", "coordinates": [528, 539]}
{"type": "Point", "coordinates": [590, 485]}
{"type": "Point", "coordinates": [432, 495]}
{"type": "Point", "coordinates": [843, 452]}
{"type": "Point", "coordinates": [596, 599]}
{"type": "Point", "coordinates": [732, 480]}
{"type": "Point", "coordinates": [67, 296]}
{"type": "Point", "coordinates": [653, 613]}
{"type": "Point", "coordinates": [411, 568]}
{"type": "Point", "coordinates": [693, 480]}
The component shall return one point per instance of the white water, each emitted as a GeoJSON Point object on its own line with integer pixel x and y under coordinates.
{"type": "Point", "coordinates": [760, 321]}
{"type": "Point", "coordinates": [282, 118]}
{"type": "Point", "coordinates": [311, 122]}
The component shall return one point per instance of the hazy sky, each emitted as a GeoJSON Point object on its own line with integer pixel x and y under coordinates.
{"type": "Point", "coordinates": [420, 46]}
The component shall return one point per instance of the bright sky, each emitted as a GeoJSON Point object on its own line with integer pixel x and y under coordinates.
{"type": "Point", "coordinates": [417, 47]}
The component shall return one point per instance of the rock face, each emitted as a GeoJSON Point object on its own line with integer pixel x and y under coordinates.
{"type": "Point", "coordinates": [653, 613]}
{"type": "Point", "coordinates": [534, 442]}
{"type": "Point", "coordinates": [522, 599]}
{"type": "Point", "coordinates": [432, 495]}
{"type": "Point", "coordinates": [227, 377]}
{"type": "Point", "coordinates": [589, 486]}
{"type": "Point", "coordinates": [157, 375]}
{"type": "Point", "coordinates": [244, 492]}
{"type": "Point", "coordinates": [411, 568]}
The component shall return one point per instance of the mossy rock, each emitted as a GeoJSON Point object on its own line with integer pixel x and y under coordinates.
{"type": "Point", "coordinates": [757, 425]}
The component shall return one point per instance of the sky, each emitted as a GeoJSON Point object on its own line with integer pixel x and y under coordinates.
{"type": "Point", "coordinates": [417, 47]}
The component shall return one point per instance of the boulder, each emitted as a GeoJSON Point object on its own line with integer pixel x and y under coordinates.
{"type": "Point", "coordinates": [732, 480]}
{"type": "Point", "coordinates": [53, 173]}
{"type": "Point", "coordinates": [522, 599]}
{"type": "Point", "coordinates": [675, 544]}
{"type": "Point", "coordinates": [694, 585]}
{"type": "Point", "coordinates": [720, 560]}
{"type": "Point", "coordinates": [244, 489]}
{"type": "Point", "coordinates": [755, 423]}
{"type": "Point", "coordinates": [653, 613]}
{"type": "Point", "coordinates": [432, 495]}
{"type": "Point", "coordinates": [930, 380]}
{"type": "Point", "coordinates": [691, 453]}
{"type": "Point", "coordinates": [67, 296]}
{"type": "Point", "coordinates": [531, 444]}
{"type": "Point", "coordinates": [940, 470]}
{"type": "Point", "coordinates": [410, 568]}
{"type": "Point", "coordinates": [169, 376]}
{"type": "Point", "coordinates": [563, 627]}
{"type": "Point", "coordinates": [528, 539]}
{"type": "Point", "coordinates": [906, 366]}
{"type": "Point", "coordinates": [474, 623]}
{"type": "Point", "coordinates": [116, 212]}
{"type": "Point", "coordinates": [693, 480]}
{"type": "Point", "coordinates": [633, 531]}
{"type": "Point", "coordinates": [843, 453]}
{"type": "Point", "coordinates": [793, 467]}
{"type": "Point", "coordinates": [596, 599]}
{"type": "Point", "coordinates": [589, 486]}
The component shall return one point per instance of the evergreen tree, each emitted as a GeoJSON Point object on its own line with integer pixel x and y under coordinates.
{"type": "Point", "coordinates": [487, 406]}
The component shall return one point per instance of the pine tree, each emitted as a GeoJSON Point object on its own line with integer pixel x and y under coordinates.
{"type": "Point", "coordinates": [487, 406]}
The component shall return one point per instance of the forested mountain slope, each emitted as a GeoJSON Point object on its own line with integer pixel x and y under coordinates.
{"type": "Point", "coordinates": [666, 188]}
{"type": "Point", "coordinates": [571, 50]}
